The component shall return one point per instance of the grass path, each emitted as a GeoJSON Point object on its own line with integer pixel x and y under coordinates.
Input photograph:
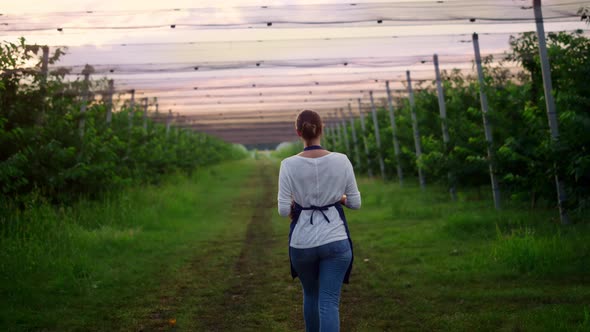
{"type": "Point", "coordinates": [256, 292]}
{"type": "Point", "coordinates": [197, 297]}
{"type": "Point", "coordinates": [223, 289]}
{"type": "Point", "coordinates": [246, 301]}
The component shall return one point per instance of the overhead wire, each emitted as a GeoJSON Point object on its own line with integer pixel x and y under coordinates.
{"type": "Point", "coordinates": [313, 15]}
{"type": "Point", "coordinates": [131, 73]}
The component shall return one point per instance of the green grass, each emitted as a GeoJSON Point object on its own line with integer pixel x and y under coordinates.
{"type": "Point", "coordinates": [211, 253]}
{"type": "Point", "coordinates": [427, 264]}
{"type": "Point", "coordinates": [100, 265]}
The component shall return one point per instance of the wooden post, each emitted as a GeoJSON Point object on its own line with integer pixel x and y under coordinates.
{"type": "Point", "coordinates": [85, 86]}
{"type": "Point", "coordinates": [131, 109]}
{"type": "Point", "coordinates": [345, 132]}
{"type": "Point", "coordinates": [341, 133]}
{"type": "Point", "coordinates": [145, 115]}
{"type": "Point", "coordinates": [396, 149]}
{"type": "Point", "coordinates": [45, 63]}
{"type": "Point", "coordinates": [44, 69]}
{"type": "Point", "coordinates": [130, 120]}
{"type": "Point", "coordinates": [327, 136]}
{"type": "Point", "coordinates": [332, 136]}
{"type": "Point", "coordinates": [109, 102]}
{"type": "Point", "coordinates": [363, 128]}
{"type": "Point", "coordinates": [486, 123]}
{"type": "Point", "coordinates": [43, 88]}
{"type": "Point", "coordinates": [551, 108]}
{"type": "Point", "coordinates": [444, 125]}
{"type": "Point", "coordinates": [176, 128]}
{"type": "Point", "coordinates": [332, 132]}
{"type": "Point", "coordinates": [168, 123]}
{"type": "Point", "coordinates": [338, 131]}
{"type": "Point", "coordinates": [417, 140]}
{"type": "Point", "coordinates": [377, 136]}
{"type": "Point", "coordinates": [357, 155]}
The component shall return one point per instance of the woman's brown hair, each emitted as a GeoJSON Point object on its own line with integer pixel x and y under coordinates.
{"type": "Point", "coordinates": [309, 124]}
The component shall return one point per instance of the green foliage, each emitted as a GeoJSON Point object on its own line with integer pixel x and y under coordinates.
{"type": "Point", "coordinates": [524, 154]}
{"type": "Point", "coordinates": [41, 149]}
{"type": "Point", "coordinates": [287, 150]}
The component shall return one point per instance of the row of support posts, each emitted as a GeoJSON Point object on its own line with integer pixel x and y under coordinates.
{"type": "Point", "coordinates": [86, 96]}
{"type": "Point", "coordinates": [339, 130]}
{"type": "Point", "coordinates": [108, 100]}
{"type": "Point", "coordinates": [551, 115]}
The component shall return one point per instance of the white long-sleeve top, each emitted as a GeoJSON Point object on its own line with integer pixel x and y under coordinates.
{"type": "Point", "coordinates": [319, 182]}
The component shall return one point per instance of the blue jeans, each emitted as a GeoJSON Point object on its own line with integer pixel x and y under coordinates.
{"type": "Point", "coordinates": [321, 271]}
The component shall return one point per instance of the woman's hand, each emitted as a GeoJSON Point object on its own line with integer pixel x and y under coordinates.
{"type": "Point", "coordinates": [343, 200]}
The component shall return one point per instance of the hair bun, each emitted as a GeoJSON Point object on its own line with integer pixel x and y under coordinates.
{"type": "Point", "coordinates": [309, 124]}
{"type": "Point", "coordinates": [309, 129]}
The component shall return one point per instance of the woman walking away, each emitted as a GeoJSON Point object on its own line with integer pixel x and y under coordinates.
{"type": "Point", "coordinates": [313, 187]}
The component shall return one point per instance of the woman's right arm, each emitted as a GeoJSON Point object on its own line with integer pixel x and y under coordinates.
{"type": "Point", "coordinates": [285, 195]}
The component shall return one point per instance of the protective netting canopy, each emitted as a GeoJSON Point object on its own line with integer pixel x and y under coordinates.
{"type": "Point", "coordinates": [233, 68]}
{"type": "Point", "coordinates": [287, 14]}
